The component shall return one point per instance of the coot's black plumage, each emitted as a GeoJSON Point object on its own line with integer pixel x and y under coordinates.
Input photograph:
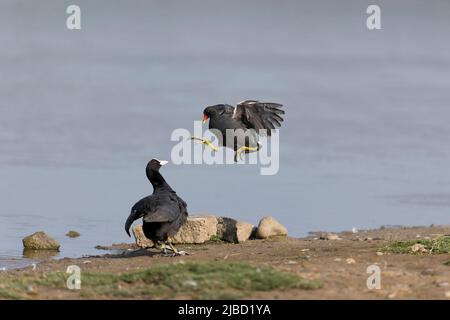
{"type": "Point", "coordinates": [252, 116]}
{"type": "Point", "coordinates": [163, 212]}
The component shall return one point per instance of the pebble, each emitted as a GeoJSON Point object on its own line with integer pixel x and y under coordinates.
{"type": "Point", "coordinates": [379, 253]}
{"type": "Point", "coordinates": [291, 262]}
{"type": "Point", "coordinates": [392, 295]}
{"type": "Point", "coordinates": [191, 283]}
{"type": "Point", "coordinates": [350, 261]}
{"type": "Point", "coordinates": [442, 284]}
{"type": "Point", "coordinates": [87, 262]}
{"type": "Point", "coordinates": [354, 230]}
{"type": "Point", "coordinates": [337, 259]}
{"type": "Point", "coordinates": [330, 236]}
{"type": "Point", "coordinates": [418, 248]}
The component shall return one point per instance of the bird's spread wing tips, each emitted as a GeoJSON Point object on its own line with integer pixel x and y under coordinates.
{"type": "Point", "coordinates": [264, 116]}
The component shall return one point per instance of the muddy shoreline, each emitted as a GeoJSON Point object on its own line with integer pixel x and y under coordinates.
{"type": "Point", "coordinates": [338, 262]}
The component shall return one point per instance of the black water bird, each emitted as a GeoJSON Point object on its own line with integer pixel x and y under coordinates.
{"type": "Point", "coordinates": [163, 212]}
{"type": "Point", "coordinates": [251, 116]}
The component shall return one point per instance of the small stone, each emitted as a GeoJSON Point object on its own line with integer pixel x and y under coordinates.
{"type": "Point", "coordinates": [392, 295]}
{"type": "Point", "coordinates": [190, 283]}
{"type": "Point", "coordinates": [197, 229]}
{"type": "Point", "coordinates": [337, 259]}
{"type": "Point", "coordinates": [141, 240]}
{"type": "Point", "coordinates": [291, 262]}
{"type": "Point", "coordinates": [350, 261]}
{"type": "Point", "coordinates": [354, 230]}
{"type": "Point", "coordinates": [418, 248]}
{"type": "Point", "coordinates": [379, 253]}
{"type": "Point", "coordinates": [40, 241]}
{"type": "Point", "coordinates": [72, 234]}
{"type": "Point", "coordinates": [442, 284]}
{"type": "Point", "coordinates": [329, 236]}
{"type": "Point", "coordinates": [268, 227]}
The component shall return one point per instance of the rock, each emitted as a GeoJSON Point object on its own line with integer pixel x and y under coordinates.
{"type": "Point", "coordinates": [40, 241]}
{"type": "Point", "coordinates": [141, 240]}
{"type": "Point", "coordinates": [350, 261]}
{"type": "Point", "coordinates": [197, 229]}
{"type": "Point", "coordinates": [269, 227]}
{"type": "Point", "coordinates": [72, 234]}
{"type": "Point", "coordinates": [418, 248]}
{"type": "Point", "coordinates": [329, 236]}
{"type": "Point", "coordinates": [379, 253]}
{"type": "Point", "coordinates": [231, 230]}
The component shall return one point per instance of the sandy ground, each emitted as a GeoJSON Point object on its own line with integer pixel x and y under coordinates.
{"type": "Point", "coordinates": [340, 265]}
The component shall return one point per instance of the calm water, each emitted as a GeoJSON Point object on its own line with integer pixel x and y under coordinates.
{"type": "Point", "coordinates": [365, 142]}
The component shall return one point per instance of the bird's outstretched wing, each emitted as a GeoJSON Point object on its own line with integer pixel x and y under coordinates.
{"type": "Point", "coordinates": [259, 115]}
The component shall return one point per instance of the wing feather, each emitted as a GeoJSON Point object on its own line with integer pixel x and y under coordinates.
{"type": "Point", "coordinates": [257, 115]}
{"type": "Point", "coordinates": [155, 208]}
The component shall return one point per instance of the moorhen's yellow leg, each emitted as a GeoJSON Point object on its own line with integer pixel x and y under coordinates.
{"type": "Point", "coordinates": [242, 149]}
{"type": "Point", "coordinates": [207, 142]}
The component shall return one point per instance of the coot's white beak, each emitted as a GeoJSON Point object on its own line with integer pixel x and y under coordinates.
{"type": "Point", "coordinates": [163, 162]}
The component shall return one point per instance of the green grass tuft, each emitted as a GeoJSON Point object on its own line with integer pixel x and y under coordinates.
{"type": "Point", "coordinates": [215, 238]}
{"type": "Point", "coordinates": [200, 280]}
{"type": "Point", "coordinates": [436, 246]}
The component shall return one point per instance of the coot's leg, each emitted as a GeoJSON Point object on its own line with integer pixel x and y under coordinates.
{"type": "Point", "coordinates": [175, 250]}
{"type": "Point", "coordinates": [161, 247]}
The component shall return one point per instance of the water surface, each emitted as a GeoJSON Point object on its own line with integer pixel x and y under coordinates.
{"type": "Point", "coordinates": [365, 142]}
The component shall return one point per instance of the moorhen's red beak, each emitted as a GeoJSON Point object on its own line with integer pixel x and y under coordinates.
{"type": "Point", "coordinates": [205, 117]}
